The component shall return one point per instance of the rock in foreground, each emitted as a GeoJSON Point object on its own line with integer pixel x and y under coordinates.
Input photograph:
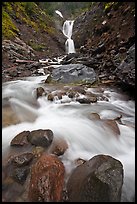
{"type": "Point", "coordinates": [98, 180]}
{"type": "Point", "coordinates": [47, 179]}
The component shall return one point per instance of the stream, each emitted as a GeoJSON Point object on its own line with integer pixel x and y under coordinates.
{"type": "Point", "coordinates": [105, 126]}
{"type": "Point", "coordinates": [72, 121]}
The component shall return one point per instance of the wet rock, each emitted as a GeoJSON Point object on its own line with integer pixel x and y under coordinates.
{"type": "Point", "coordinates": [78, 89]}
{"type": "Point", "coordinates": [38, 151]}
{"type": "Point", "coordinates": [40, 92]}
{"type": "Point", "coordinates": [74, 73]}
{"type": "Point", "coordinates": [20, 139]}
{"type": "Point", "coordinates": [59, 94]}
{"type": "Point", "coordinates": [112, 125]}
{"type": "Point", "coordinates": [79, 161]}
{"type": "Point", "coordinates": [49, 78]}
{"type": "Point", "coordinates": [87, 100]}
{"type": "Point", "coordinates": [11, 195]}
{"type": "Point", "coordinates": [50, 97]}
{"type": "Point", "coordinates": [58, 147]}
{"type": "Point", "coordinates": [40, 137]}
{"type": "Point", "coordinates": [98, 180]}
{"type": "Point", "coordinates": [83, 100]}
{"type": "Point", "coordinates": [94, 116]}
{"type": "Point", "coordinates": [47, 179]}
{"type": "Point", "coordinates": [106, 123]}
{"type": "Point", "coordinates": [71, 94]}
{"type": "Point", "coordinates": [20, 174]}
{"type": "Point", "coordinates": [23, 159]}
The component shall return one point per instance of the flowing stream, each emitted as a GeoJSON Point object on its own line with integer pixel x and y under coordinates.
{"type": "Point", "coordinates": [70, 120]}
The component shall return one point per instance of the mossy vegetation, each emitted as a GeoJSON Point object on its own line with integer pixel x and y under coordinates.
{"type": "Point", "coordinates": [36, 46]}
{"type": "Point", "coordinates": [28, 13]}
{"type": "Point", "coordinates": [9, 30]}
{"type": "Point", "coordinates": [111, 5]}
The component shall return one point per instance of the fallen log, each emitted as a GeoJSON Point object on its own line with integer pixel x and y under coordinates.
{"type": "Point", "coordinates": [24, 61]}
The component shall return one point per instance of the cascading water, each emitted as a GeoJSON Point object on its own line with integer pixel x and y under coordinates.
{"type": "Point", "coordinates": [67, 31]}
{"type": "Point", "coordinates": [59, 13]}
{"type": "Point", "coordinates": [69, 120]}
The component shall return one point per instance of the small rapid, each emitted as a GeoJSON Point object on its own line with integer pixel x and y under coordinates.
{"type": "Point", "coordinates": [68, 119]}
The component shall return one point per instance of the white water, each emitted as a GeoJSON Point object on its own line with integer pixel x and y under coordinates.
{"type": "Point", "coordinates": [59, 13]}
{"type": "Point", "coordinates": [85, 137]}
{"type": "Point", "coordinates": [67, 31]}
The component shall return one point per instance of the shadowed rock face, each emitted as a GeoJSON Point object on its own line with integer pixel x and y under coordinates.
{"type": "Point", "coordinates": [41, 137]}
{"type": "Point", "coordinates": [73, 73]}
{"type": "Point", "coordinates": [98, 180]}
{"type": "Point", "coordinates": [47, 179]}
{"type": "Point", "coordinates": [126, 70]}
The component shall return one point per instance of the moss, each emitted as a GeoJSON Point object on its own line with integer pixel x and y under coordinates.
{"type": "Point", "coordinates": [108, 6]}
{"type": "Point", "coordinates": [111, 5]}
{"type": "Point", "coordinates": [35, 46]}
{"type": "Point", "coordinates": [8, 7]}
{"type": "Point", "coordinates": [28, 13]}
{"type": "Point", "coordinates": [9, 29]}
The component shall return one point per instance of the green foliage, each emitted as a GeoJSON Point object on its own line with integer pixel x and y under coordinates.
{"type": "Point", "coordinates": [36, 46]}
{"type": "Point", "coordinates": [69, 9]}
{"type": "Point", "coordinates": [29, 6]}
{"type": "Point", "coordinates": [28, 13]}
{"type": "Point", "coordinates": [109, 5]}
{"type": "Point", "coordinates": [9, 29]}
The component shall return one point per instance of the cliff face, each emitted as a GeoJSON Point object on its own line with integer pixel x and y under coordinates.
{"type": "Point", "coordinates": [109, 23]}
{"type": "Point", "coordinates": [107, 33]}
{"type": "Point", "coordinates": [28, 22]}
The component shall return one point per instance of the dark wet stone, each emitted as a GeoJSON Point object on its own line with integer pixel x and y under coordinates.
{"type": "Point", "coordinates": [98, 180]}
{"type": "Point", "coordinates": [41, 137]}
{"type": "Point", "coordinates": [20, 139]}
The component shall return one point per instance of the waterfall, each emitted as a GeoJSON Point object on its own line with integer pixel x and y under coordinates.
{"type": "Point", "coordinates": [59, 13]}
{"type": "Point", "coordinates": [67, 31]}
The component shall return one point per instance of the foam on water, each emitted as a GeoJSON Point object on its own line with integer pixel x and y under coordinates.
{"type": "Point", "coordinates": [85, 137]}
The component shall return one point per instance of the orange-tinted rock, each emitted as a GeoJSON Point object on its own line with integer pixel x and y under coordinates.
{"type": "Point", "coordinates": [47, 179]}
{"type": "Point", "coordinates": [58, 147]}
{"type": "Point", "coordinates": [20, 139]}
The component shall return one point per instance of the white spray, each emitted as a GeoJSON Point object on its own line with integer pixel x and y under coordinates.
{"type": "Point", "coordinates": [67, 31]}
{"type": "Point", "coordinates": [85, 138]}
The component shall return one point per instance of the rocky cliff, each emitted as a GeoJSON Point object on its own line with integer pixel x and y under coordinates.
{"type": "Point", "coordinates": [104, 35]}
{"type": "Point", "coordinates": [107, 33]}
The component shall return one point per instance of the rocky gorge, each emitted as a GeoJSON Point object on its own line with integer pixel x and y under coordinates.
{"type": "Point", "coordinates": [68, 119]}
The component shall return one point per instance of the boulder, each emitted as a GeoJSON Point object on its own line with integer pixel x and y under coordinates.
{"type": "Point", "coordinates": [20, 139]}
{"type": "Point", "coordinates": [98, 180]}
{"type": "Point", "coordinates": [47, 180]}
{"type": "Point", "coordinates": [40, 137]}
{"type": "Point", "coordinates": [74, 73]}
